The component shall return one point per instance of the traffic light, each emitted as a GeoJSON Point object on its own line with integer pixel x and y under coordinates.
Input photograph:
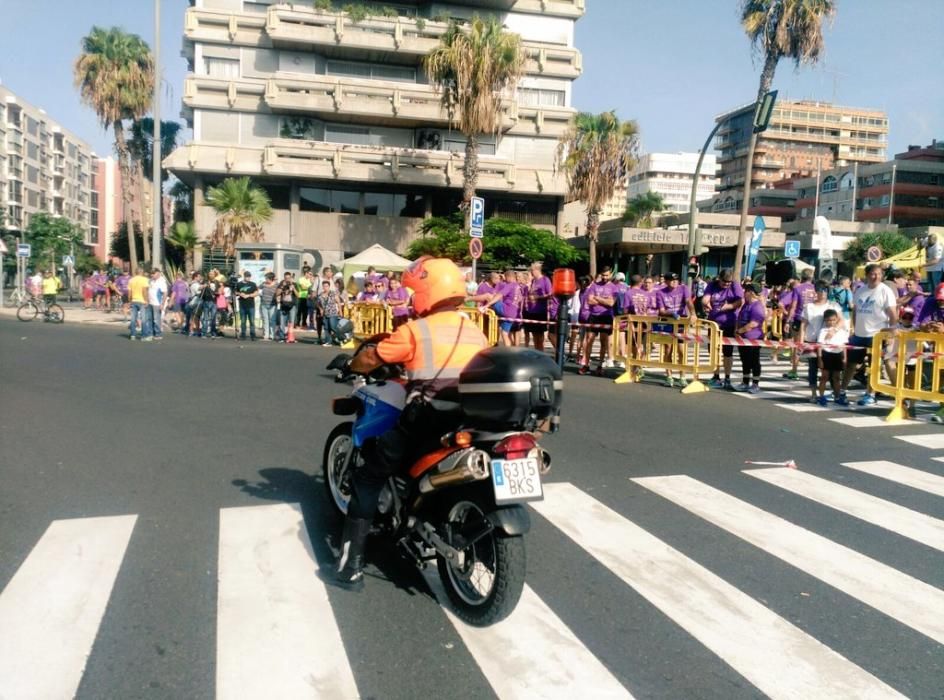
{"type": "Point", "coordinates": [693, 268]}
{"type": "Point", "coordinates": [764, 109]}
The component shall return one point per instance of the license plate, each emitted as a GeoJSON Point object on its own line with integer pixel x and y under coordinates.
{"type": "Point", "coordinates": [516, 480]}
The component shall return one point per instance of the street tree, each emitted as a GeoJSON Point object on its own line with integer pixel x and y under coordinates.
{"type": "Point", "coordinates": [474, 67]}
{"type": "Point", "coordinates": [640, 210]}
{"type": "Point", "coordinates": [597, 153]}
{"type": "Point", "coordinates": [51, 238]}
{"type": "Point", "coordinates": [140, 141]}
{"type": "Point", "coordinates": [115, 77]}
{"type": "Point", "coordinates": [889, 242]}
{"type": "Point", "coordinates": [791, 29]}
{"type": "Point", "coordinates": [509, 244]}
{"type": "Point", "coordinates": [241, 210]}
{"type": "Point", "coordinates": [183, 237]}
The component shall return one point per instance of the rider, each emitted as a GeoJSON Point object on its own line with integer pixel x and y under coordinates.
{"type": "Point", "coordinates": [433, 349]}
{"type": "Point", "coordinates": [50, 286]}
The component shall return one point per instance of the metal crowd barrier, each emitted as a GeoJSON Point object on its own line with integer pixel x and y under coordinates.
{"type": "Point", "coordinates": [369, 319]}
{"type": "Point", "coordinates": [921, 381]}
{"type": "Point", "coordinates": [773, 325]}
{"type": "Point", "coordinates": [487, 322]}
{"type": "Point", "coordinates": [671, 344]}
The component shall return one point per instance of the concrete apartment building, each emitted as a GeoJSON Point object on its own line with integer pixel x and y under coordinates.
{"type": "Point", "coordinates": [338, 122]}
{"type": "Point", "coordinates": [671, 175]}
{"type": "Point", "coordinates": [803, 137]}
{"type": "Point", "coordinates": [43, 167]}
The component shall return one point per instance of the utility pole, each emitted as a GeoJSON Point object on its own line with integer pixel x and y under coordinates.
{"type": "Point", "coordinates": [156, 209]}
{"type": "Point", "coordinates": [891, 195]}
{"type": "Point", "coordinates": [694, 240]}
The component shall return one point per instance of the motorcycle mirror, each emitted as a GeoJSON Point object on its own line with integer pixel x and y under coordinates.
{"type": "Point", "coordinates": [339, 361]}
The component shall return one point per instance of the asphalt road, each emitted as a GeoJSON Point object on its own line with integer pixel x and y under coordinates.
{"type": "Point", "coordinates": [93, 425]}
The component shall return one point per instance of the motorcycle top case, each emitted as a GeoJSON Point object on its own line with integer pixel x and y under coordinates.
{"type": "Point", "coordinates": [508, 388]}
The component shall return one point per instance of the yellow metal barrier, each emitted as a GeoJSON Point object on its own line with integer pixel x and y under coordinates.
{"type": "Point", "coordinates": [773, 325]}
{"type": "Point", "coordinates": [487, 322]}
{"type": "Point", "coordinates": [369, 319]}
{"type": "Point", "coordinates": [908, 379]}
{"type": "Point", "coordinates": [646, 348]}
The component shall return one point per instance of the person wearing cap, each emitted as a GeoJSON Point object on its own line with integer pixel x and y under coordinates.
{"type": "Point", "coordinates": [619, 279]}
{"type": "Point", "coordinates": [433, 349]}
{"type": "Point", "coordinates": [934, 261]}
{"type": "Point", "coordinates": [749, 325]}
{"type": "Point", "coordinates": [811, 324]}
{"type": "Point", "coordinates": [246, 292]}
{"type": "Point", "coordinates": [722, 299]}
{"type": "Point", "coordinates": [674, 302]}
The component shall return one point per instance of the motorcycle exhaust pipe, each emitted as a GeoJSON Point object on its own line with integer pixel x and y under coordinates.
{"type": "Point", "coordinates": [473, 467]}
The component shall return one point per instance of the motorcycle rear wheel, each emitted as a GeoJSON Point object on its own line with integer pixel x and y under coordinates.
{"type": "Point", "coordinates": [485, 589]}
{"type": "Point", "coordinates": [336, 466]}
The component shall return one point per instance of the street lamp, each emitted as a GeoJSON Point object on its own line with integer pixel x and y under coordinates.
{"type": "Point", "coordinates": [156, 231]}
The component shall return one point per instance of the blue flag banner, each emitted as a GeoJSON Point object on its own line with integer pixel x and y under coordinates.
{"type": "Point", "coordinates": [758, 233]}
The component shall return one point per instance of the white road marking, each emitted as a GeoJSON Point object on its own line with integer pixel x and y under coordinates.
{"type": "Point", "coordinates": [885, 514]}
{"type": "Point", "coordinates": [933, 441]}
{"type": "Point", "coordinates": [532, 653]}
{"type": "Point", "coordinates": [865, 422]}
{"type": "Point", "coordinates": [777, 657]}
{"type": "Point", "coordinates": [915, 478]}
{"type": "Point", "coordinates": [51, 610]}
{"type": "Point", "coordinates": [276, 636]}
{"type": "Point", "coordinates": [938, 459]}
{"type": "Point", "coordinates": [801, 407]}
{"type": "Point", "coordinates": [886, 589]}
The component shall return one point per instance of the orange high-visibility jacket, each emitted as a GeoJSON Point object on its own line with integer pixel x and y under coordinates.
{"type": "Point", "coordinates": [435, 347]}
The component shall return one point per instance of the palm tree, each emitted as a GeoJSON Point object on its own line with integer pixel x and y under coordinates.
{"type": "Point", "coordinates": [639, 210]}
{"type": "Point", "coordinates": [241, 209]}
{"type": "Point", "coordinates": [597, 153]}
{"type": "Point", "coordinates": [183, 235]}
{"type": "Point", "coordinates": [779, 29]}
{"type": "Point", "coordinates": [140, 150]}
{"type": "Point", "coordinates": [115, 77]}
{"type": "Point", "coordinates": [473, 68]}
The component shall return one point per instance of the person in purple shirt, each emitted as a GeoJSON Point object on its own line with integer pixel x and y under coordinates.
{"type": "Point", "coordinates": [369, 294]}
{"type": "Point", "coordinates": [931, 320]}
{"type": "Point", "coordinates": [398, 299]}
{"type": "Point", "coordinates": [511, 299]}
{"type": "Point", "coordinates": [804, 292]}
{"type": "Point", "coordinates": [179, 296]}
{"type": "Point", "coordinates": [673, 302]}
{"type": "Point", "coordinates": [750, 326]}
{"type": "Point", "coordinates": [722, 299]}
{"type": "Point", "coordinates": [535, 306]}
{"type": "Point", "coordinates": [601, 301]}
{"type": "Point", "coordinates": [912, 298]}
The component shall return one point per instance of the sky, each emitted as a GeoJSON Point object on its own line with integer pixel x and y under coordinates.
{"type": "Point", "coordinates": [672, 65]}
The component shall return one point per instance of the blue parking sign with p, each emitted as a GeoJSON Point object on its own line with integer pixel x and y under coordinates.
{"type": "Point", "coordinates": [477, 220]}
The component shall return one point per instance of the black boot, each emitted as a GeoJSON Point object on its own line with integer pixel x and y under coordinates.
{"type": "Point", "coordinates": [350, 571]}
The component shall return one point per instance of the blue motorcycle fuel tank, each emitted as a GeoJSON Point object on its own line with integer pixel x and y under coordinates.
{"type": "Point", "coordinates": [383, 404]}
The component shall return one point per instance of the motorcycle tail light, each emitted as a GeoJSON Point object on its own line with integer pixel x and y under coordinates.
{"type": "Point", "coordinates": [516, 446]}
{"type": "Point", "coordinates": [463, 439]}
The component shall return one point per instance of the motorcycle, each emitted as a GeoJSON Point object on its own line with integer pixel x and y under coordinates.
{"type": "Point", "coordinates": [460, 502]}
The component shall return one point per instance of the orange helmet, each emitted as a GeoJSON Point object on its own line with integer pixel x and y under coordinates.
{"type": "Point", "coordinates": [434, 281]}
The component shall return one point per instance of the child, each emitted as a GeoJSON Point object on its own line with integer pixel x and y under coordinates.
{"type": "Point", "coordinates": [831, 354]}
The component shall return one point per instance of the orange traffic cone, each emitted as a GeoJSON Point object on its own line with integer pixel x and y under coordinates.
{"type": "Point", "coordinates": [291, 334]}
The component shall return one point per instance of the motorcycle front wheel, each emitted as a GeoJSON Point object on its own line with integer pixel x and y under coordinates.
{"type": "Point", "coordinates": [337, 466]}
{"type": "Point", "coordinates": [485, 586]}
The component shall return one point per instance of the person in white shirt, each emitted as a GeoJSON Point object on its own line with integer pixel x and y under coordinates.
{"type": "Point", "coordinates": [811, 322]}
{"type": "Point", "coordinates": [157, 302]}
{"type": "Point", "coordinates": [831, 352]}
{"type": "Point", "coordinates": [934, 261]}
{"type": "Point", "coordinates": [874, 309]}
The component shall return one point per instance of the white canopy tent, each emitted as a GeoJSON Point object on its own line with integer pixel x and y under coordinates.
{"type": "Point", "coordinates": [376, 256]}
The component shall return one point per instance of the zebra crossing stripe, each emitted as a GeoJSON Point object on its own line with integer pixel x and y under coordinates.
{"type": "Point", "coordinates": [532, 653]}
{"type": "Point", "coordinates": [885, 514]}
{"type": "Point", "coordinates": [777, 657]}
{"type": "Point", "coordinates": [51, 610]}
{"type": "Point", "coordinates": [915, 478]}
{"type": "Point", "coordinates": [933, 441]}
{"type": "Point", "coordinates": [865, 422]}
{"type": "Point", "coordinates": [800, 407]}
{"type": "Point", "coordinates": [882, 587]}
{"type": "Point", "coordinates": [276, 636]}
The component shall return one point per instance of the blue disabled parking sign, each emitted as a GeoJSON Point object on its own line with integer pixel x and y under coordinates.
{"type": "Point", "coordinates": [792, 249]}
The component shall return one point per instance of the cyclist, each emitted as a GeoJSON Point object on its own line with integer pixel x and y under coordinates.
{"type": "Point", "coordinates": [51, 285]}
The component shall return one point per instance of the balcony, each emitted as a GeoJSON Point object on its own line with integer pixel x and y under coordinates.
{"type": "Point", "coordinates": [291, 27]}
{"type": "Point", "coordinates": [316, 160]}
{"type": "Point", "coordinates": [573, 9]}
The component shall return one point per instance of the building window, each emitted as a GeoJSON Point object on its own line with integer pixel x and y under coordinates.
{"type": "Point", "coordinates": [533, 97]}
{"type": "Point", "coordinates": [883, 202]}
{"type": "Point", "coordinates": [830, 184]}
{"type": "Point", "coordinates": [357, 135]}
{"type": "Point", "coordinates": [93, 236]}
{"type": "Point", "coordinates": [346, 202]}
{"type": "Point", "coordinates": [351, 69]}
{"type": "Point", "coordinates": [301, 128]}
{"type": "Point", "coordinates": [312, 199]}
{"type": "Point", "coordinates": [221, 67]}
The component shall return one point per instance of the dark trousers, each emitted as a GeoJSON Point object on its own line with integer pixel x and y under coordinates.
{"type": "Point", "coordinates": [750, 361]}
{"type": "Point", "coordinates": [247, 314]}
{"type": "Point", "coordinates": [302, 316]}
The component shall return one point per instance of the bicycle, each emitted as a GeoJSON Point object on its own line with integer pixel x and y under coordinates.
{"type": "Point", "coordinates": [31, 308]}
{"type": "Point", "coordinates": [18, 296]}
